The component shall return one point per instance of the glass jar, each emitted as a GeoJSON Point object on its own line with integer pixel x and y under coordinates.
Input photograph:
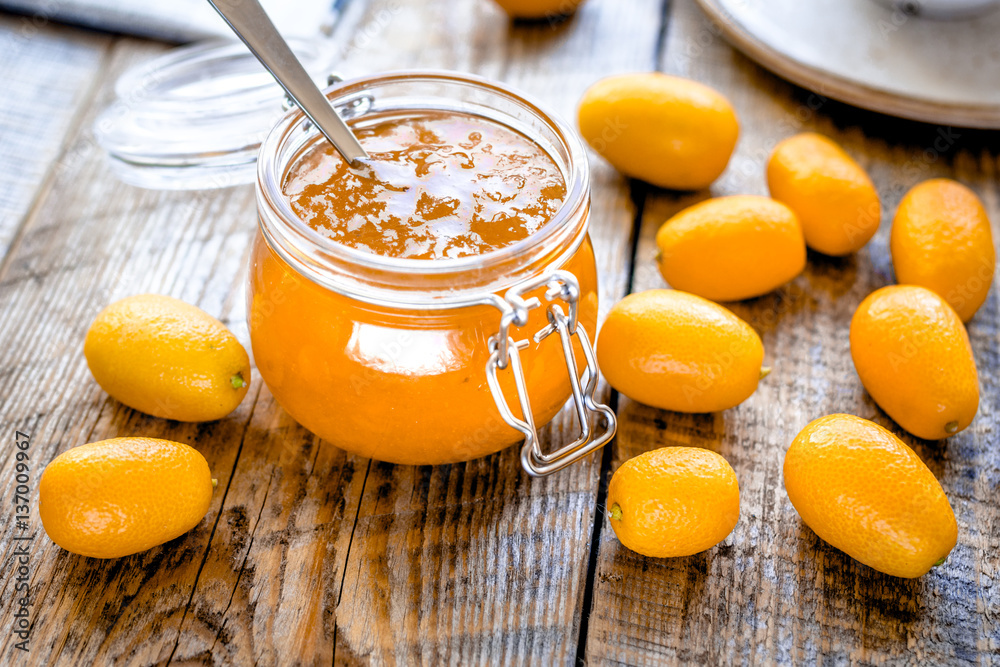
{"type": "Point", "coordinates": [429, 361]}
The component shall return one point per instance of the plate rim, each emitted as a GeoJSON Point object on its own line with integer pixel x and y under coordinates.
{"type": "Point", "coordinates": [847, 90]}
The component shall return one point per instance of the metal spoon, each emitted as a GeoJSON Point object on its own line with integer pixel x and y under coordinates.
{"type": "Point", "coordinates": [252, 25]}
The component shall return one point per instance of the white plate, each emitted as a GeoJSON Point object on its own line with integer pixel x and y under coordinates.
{"type": "Point", "coordinates": [874, 57]}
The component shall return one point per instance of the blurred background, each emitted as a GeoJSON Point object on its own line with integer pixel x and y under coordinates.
{"type": "Point", "coordinates": [175, 20]}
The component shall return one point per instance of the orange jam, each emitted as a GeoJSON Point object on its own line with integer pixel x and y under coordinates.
{"type": "Point", "coordinates": [395, 384]}
{"type": "Point", "coordinates": [438, 185]}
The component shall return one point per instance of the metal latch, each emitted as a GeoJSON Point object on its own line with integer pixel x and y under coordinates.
{"type": "Point", "coordinates": [505, 352]}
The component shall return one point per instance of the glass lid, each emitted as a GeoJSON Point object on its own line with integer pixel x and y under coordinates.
{"type": "Point", "coordinates": [194, 117]}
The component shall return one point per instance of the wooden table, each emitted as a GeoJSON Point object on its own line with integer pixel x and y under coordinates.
{"type": "Point", "coordinates": [309, 555]}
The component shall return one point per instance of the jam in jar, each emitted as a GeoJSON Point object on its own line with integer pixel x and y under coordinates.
{"type": "Point", "coordinates": [411, 307]}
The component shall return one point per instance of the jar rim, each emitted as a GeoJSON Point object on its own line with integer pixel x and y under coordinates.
{"type": "Point", "coordinates": [275, 159]}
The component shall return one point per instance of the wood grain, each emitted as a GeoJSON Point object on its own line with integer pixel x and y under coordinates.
{"type": "Point", "coordinates": [40, 106]}
{"type": "Point", "coordinates": [292, 500]}
{"type": "Point", "coordinates": [199, 601]}
{"type": "Point", "coordinates": [310, 555]}
{"type": "Point", "coordinates": [773, 592]}
{"type": "Point", "coordinates": [476, 563]}
{"type": "Point", "coordinates": [89, 241]}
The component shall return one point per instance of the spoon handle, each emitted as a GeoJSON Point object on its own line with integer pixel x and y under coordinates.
{"type": "Point", "coordinates": [252, 25]}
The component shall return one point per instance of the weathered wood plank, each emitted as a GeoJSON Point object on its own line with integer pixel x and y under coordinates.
{"type": "Point", "coordinates": [773, 592]}
{"type": "Point", "coordinates": [477, 563]}
{"type": "Point", "coordinates": [92, 240]}
{"type": "Point", "coordinates": [268, 537]}
{"type": "Point", "coordinates": [286, 526]}
{"type": "Point", "coordinates": [279, 522]}
{"type": "Point", "coordinates": [48, 73]}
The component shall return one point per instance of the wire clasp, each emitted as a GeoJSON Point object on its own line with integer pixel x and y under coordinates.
{"type": "Point", "coordinates": [504, 351]}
